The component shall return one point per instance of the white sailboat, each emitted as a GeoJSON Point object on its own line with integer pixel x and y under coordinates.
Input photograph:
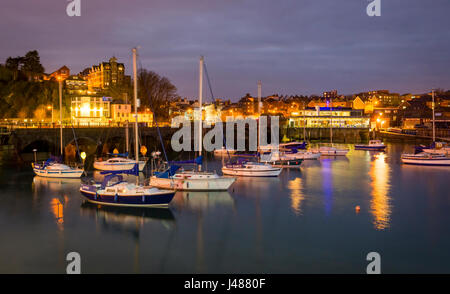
{"type": "Point", "coordinates": [51, 168]}
{"type": "Point", "coordinates": [425, 159]}
{"type": "Point", "coordinates": [251, 169]}
{"type": "Point", "coordinates": [124, 163]}
{"type": "Point", "coordinates": [195, 180]}
{"type": "Point", "coordinates": [432, 156]}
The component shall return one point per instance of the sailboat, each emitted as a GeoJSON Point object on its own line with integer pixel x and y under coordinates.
{"type": "Point", "coordinates": [121, 162]}
{"type": "Point", "coordinates": [122, 193]}
{"type": "Point", "coordinates": [432, 156]}
{"type": "Point", "coordinates": [330, 150]}
{"type": "Point", "coordinates": [51, 168]}
{"type": "Point", "coordinates": [193, 180]}
{"type": "Point", "coordinates": [244, 168]}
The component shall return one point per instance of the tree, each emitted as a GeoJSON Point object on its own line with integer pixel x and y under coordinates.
{"type": "Point", "coordinates": [13, 64]}
{"type": "Point", "coordinates": [155, 92]}
{"type": "Point", "coordinates": [32, 62]}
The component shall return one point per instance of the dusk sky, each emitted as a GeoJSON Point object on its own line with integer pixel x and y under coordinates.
{"type": "Point", "coordinates": [293, 47]}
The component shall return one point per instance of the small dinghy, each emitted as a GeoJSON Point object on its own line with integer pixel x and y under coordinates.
{"type": "Point", "coordinates": [373, 145]}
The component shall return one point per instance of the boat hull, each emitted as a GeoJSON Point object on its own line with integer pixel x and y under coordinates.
{"type": "Point", "coordinates": [243, 172]}
{"type": "Point", "coordinates": [216, 184]}
{"type": "Point", "coordinates": [71, 174]}
{"type": "Point", "coordinates": [367, 147]}
{"type": "Point", "coordinates": [432, 161]}
{"type": "Point", "coordinates": [302, 155]}
{"type": "Point", "coordinates": [159, 200]}
{"type": "Point", "coordinates": [333, 152]}
{"type": "Point", "coordinates": [287, 163]}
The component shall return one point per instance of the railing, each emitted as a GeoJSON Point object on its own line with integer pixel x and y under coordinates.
{"type": "Point", "coordinates": [8, 126]}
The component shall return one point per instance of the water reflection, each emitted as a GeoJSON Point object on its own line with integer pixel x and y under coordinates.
{"type": "Point", "coordinates": [327, 183]}
{"type": "Point", "coordinates": [129, 221]}
{"type": "Point", "coordinates": [57, 208]}
{"type": "Point", "coordinates": [380, 203]}
{"type": "Point", "coordinates": [54, 185]}
{"type": "Point", "coordinates": [297, 196]}
{"type": "Point", "coordinates": [202, 201]}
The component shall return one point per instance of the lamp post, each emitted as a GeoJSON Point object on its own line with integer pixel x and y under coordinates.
{"type": "Point", "coordinates": [60, 113]}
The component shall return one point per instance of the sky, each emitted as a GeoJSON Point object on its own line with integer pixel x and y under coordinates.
{"type": "Point", "coordinates": [292, 46]}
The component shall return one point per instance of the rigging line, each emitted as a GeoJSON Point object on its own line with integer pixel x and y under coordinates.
{"type": "Point", "coordinates": [212, 97]}
{"type": "Point", "coordinates": [76, 141]}
{"type": "Point", "coordinates": [157, 127]}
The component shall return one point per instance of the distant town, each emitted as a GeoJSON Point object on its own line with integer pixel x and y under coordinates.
{"type": "Point", "coordinates": [101, 95]}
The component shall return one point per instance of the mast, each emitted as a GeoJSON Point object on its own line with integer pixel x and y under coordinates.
{"type": "Point", "coordinates": [60, 115]}
{"type": "Point", "coordinates": [259, 113]}
{"type": "Point", "coordinates": [126, 129]}
{"type": "Point", "coordinates": [331, 121]}
{"type": "Point", "coordinates": [432, 106]}
{"type": "Point", "coordinates": [304, 122]}
{"type": "Point", "coordinates": [200, 102]}
{"type": "Point", "coordinates": [136, 144]}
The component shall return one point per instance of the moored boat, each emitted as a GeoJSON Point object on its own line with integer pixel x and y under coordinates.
{"type": "Point", "coordinates": [52, 169]}
{"type": "Point", "coordinates": [193, 181]}
{"type": "Point", "coordinates": [121, 193]}
{"type": "Point", "coordinates": [330, 151]}
{"type": "Point", "coordinates": [426, 159]}
{"type": "Point", "coordinates": [373, 145]}
{"type": "Point", "coordinates": [251, 169]}
{"type": "Point", "coordinates": [437, 148]}
{"type": "Point", "coordinates": [118, 164]}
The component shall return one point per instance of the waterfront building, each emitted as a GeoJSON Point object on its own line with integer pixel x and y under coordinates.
{"type": "Point", "coordinates": [121, 112]}
{"type": "Point", "coordinates": [87, 110]}
{"type": "Point", "coordinates": [320, 117]}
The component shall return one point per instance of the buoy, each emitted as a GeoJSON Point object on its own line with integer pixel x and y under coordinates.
{"type": "Point", "coordinates": [357, 208]}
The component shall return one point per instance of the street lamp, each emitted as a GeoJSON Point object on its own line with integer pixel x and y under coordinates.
{"type": "Point", "coordinates": [50, 107]}
{"type": "Point", "coordinates": [83, 156]}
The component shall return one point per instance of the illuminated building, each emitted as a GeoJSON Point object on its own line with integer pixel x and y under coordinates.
{"type": "Point", "coordinates": [330, 94]}
{"type": "Point", "coordinates": [63, 73]}
{"type": "Point", "coordinates": [76, 85]}
{"type": "Point", "coordinates": [320, 117]}
{"type": "Point", "coordinates": [86, 110]}
{"type": "Point", "coordinates": [106, 74]}
{"type": "Point", "coordinates": [121, 112]}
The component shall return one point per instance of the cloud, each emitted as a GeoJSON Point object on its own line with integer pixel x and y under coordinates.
{"type": "Point", "coordinates": [293, 46]}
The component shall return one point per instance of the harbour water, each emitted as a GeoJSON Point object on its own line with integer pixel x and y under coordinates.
{"type": "Point", "coordinates": [304, 221]}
